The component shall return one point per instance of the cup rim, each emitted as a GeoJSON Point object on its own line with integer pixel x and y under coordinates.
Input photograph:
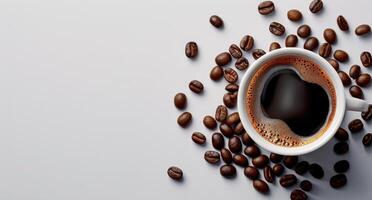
{"type": "Point", "coordinates": [339, 110]}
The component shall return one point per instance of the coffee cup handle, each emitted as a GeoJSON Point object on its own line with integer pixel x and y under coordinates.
{"type": "Point", "coordinates": [355, 104]}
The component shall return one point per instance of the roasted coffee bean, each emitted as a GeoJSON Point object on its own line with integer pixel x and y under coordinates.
{"type": "Point", "coordinates": [291, 40]}
{"type": "Point", "coordinates": [242, 63]}
{"type": "Point", "coordinates": [260, 161]}
{"type": "Point", "coordinates": [341, 166]}
{"type": "Point", "coordinates": [330, 35]}
{"type": "Point", "coordinates": [342, 135]}
{"type": "Point", "coordinates": [341, 55]}
{"type": "Point", "coordinates": [196, 86]}
{"type": "Point", "coordinates": [268, 174]}
{"type": "Point", "coordinates": [363, 29]}
{"type": "Point", "coordinates": [288, 180]}
{"type": "Point", "coordinates": [209, 122]}
{"type": "Point", "coordinates": [239, 128]}
{"type": "Point", "coordinates": [266, 7]}
{"type": "Point", "coordinates": [252, 151]}
{"type": "Point", "coordinates": [261, 186]}
{"type": "Point", "coordinates": [223, 59]}
{"type": "Point", "coordinates": [235, 51]}
{"type": "Point", "coordinates": [304, 31]}
{"type": "Point", "coordinates": [356, 92]}
{"type": "Point", "coordinates": [298, 195]}
{"type": "Point", "coordinates": [246, 43]}
{"type": "Point", "coordinates": [216, 21]}
{"type": "Point", "coordinates": [278, 169]}
{"type": "Point", "coordinates": [175, 173]}
{"type": "Point", "coordinates": [345, 79]}
{"type": "Point", "coordinates": [342, 23]}
{"type": "Point", "coordinates": [226, 156]}
{"type": "Point", "coordinates": [240, 160]}
{"type": "Point", "coordinates": [334, 64]}
{"type": "Point", "coordinates": [363, 80]}
{"type": "Point", "coordinates": [217, 141]}
{"type": "Point", "coordinates": [311, 43]}
{"type": "Point", "coordinates": [180, 100]}
{"type": "Point", "coordinates": [228, 171]}
{"type": "Point", "coordinates": [221, 113]}
{"type": "Point", "coordinates": [274, 46]}
{"type": "Point", "coordinates": [276, 28]}
{"type": "Point", "coordinates": [232, 87]}
{"type": "Point", "coordinates": [230, 75]}
{"type": "Point", "coordinates": [257, 53]}
{"type": "Point", "coordinates": [306, 185]}
{"type": "Point", "coordinates": [229, 99]}
{"type": "Point", "coordinates": [302, 167]}
{"type": "Point", "coordinates": [216, 73]}
{"type": "Point", "coordinates": [235, 145]}
{"type": "Point", "coordinates": [184, 119]}
{"type": "Point", "coordinates": [367, 115]}
{"type": "Point", "coordinates": [341, 148]}
{"type": "Point", "coordinates": [226, 130]}
{"type": "Point", "coordinates": [233, 119]}
{"type": "Point", "coordinates": [316, 171]}
{"type": "Point", "coordinates": [366, 58]}
{"type": "Point", "coordinates": [275, 158]}
{"type": "Point", "coordinates": [355, 126]}
{"type": "Point", "coordinates": [338, 181]}
{"type": "Point", "coordinates": [325, 50]}
{"type": "Point", "coordinates": [212, 157]}
{"type": "Point", "coordinates": [191, 49]}
{"type": "Point", "coordinates": [198, 138]}
{"type": "Point", "coordinates": [251, 172]}
{"type": "Point", "coordinates": [246, 139]}
{"type": "Point", "coordinates": [294, 15]}
{"type": "Point", "coordinates": [290, 161]}
{"type": "Point", "coordinates": [316, 6]}
{"type": "Point", "coordinates": [354, 71]}
{"type": "Point", "coordinates": [367, 139]}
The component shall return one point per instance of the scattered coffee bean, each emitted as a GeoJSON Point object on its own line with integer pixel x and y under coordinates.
{"type": "Point", "coordinates": [212, 157]}
{"type": "Point", "coordinates": [325, 50]}
{"type": "Point", "coordinates": [362, 29]}
{"type": "Point", "coordinates": [341, 166]}
{"type": "Point", "coordinates": [242, 63]}
{"type": "Point", "coordinates": [316, 6]}
{"type": "Point", "coordinates": [294, 15]}
{"type": "Point", "coordinates": [235, 51]}
{"type": "Point", "coordinates": [230, 75]}
{"type": "Point", "coordinates": [302, 167]}
{"type": "Point", "coordinates": [209, 122]}
{"type": "Point", "coordinates": [257, 53]}
{"type": "Point", "coordinates": [216, 21]}
{"type": "Point", "coordinates": [268, 174]}
{"type": "Point", "coordinates": [217, 141]}
{"type": "Point", "coordinates": [229, 99]}
{"type": "Point", "coordinates": [341, 148]}
{"type": "Point", "coordinates": [278, 169]}
{"type": "Point", "coordinates": [223, 59]}
{"type": "Point", "coordinates": [355, 126]}
{"type": "Point", "coordinates": [251, 172]}
{"type": "Point", "coordinates": [261, 186]}
{"type": "Point", "coordinates": [196, 86]}
{"type": "Point", "coordinates": [226, 130]}
{"type": "Point", "coordinates": [232, 87]}
{"type": "Point", "coordinates": [363, 80]}
{"type": "Point", "coordinates": [330, 35]}
{"type": "Point", "coordinates": [275, 158]}
{"type": "Point", "coordinates": [291, 40]}
{"type": "Point", "coordinates": [226, 156]}
{"type": "Point", "coordinates": [345, 79]}
{"type": "Point", "coordinates": [354, 71]}
{"type": "Point", "coordinates": [266, 7]}
{"type": "Point", "coordinates": [311, 43]}
{"type": "Point", "coordinates": [304, 31]}
{"type": "Point", "coordinates": [316, 171]}
{"type": "Point", "coordinates": [260, 161]}
{"type": "Point", "coordinates": [246, 139]}
{"type": "Point", "coordinates": [252, 151]}
{"type": "Point", "coordinates": [191, 49]}
{"type": "Point", "coordinates": [246, 43]}
{"type": "Point", "coordinates": [228, 171]}
{"type": "Point", "coordinates": [216, 73]}
{"type": "Point", "coordinates": [367, 139]}
{"type": "Point", "coordinates": [180, 100]}
{"type": "Point", "coordinates": [342, 23]}
{"type": "Point", "coordinates": [367, 115]}
{"type": "Point", "coordinates": [288, 180]}
{"type": "Point", "coordinates": [184, 119]}
{"type": "Point", "coordinates": [306, 185]}
{"type": "Point", "coordinates": [221, 113]}
{"type": "Point", "coordinates": [356, 92]}
{"type": "Point", "coordinates": [290, 161]}
{"type": "Point", "coordinates": [175, 173]}
{"type": "Point", "coordinates": [239, 129]}
{"type": "Point", "coordinates": [274, 46]}
{"type": "Point", "coordinates": [198, 138]}
{"type": "Point", "coordinates": [240, 160]}
{"type": "Point", "coordinates": [233, 119]}
{"type": "Point", "coordinates": [235, 145]}
{"type": "Point", "coordinates": [341, 55]}
{"type": "Point", "coordinates": [338, 181]}
{"type": "Point", "coordinates": [334, 64]}
{"type": "Point", "coordinates": [298, 195]}
{"type": "Point", "coordinates": [342, 135]}
{"type": "Point", "coordinates": [366, 58]}
{"type": "Point", "coordinates": [276, 28]}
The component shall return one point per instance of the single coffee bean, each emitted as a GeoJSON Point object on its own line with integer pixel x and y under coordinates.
{"type": "Point", "coordinates": [275, 158]}
{"type": "Point", "coordinates": [260, 161]}
{"type": "Point", "coordinates": [316, 171]}
{"type": "Point", "coordinates": [221, 113]}
{"type": "Point", "coordinates": [291, 40]}
{"type": "Point", "coordinates": [341, 55]}
{"type": "Point", "coordinates": [278, 169]}
{"type": "Point", "coordinates": [325, 50]}
{"type": "Point", "coordinates": [341, 148]}
{"type": "Point", "coordinates": [216, 21]}
{"type": "Point", "coordinates": [175, 173]}
{"type": "Point", "coordinates": [355, 126]}
{"type": "Point", "coordinates": [232, 87]}
{"type": "Point", "coordinates": [209, 122]}
{"type": "Point", "coordinates": [298, 195]}
{"type": "Point", "coordinates": [342, 23]}
{"type": "Point", "coordinates": [334, 64]}
{"type": "Point", "coordinates": [223, 59]}
{"type": "Point", "coordinates": [268, 174]}
{"type": "Point", "coordinates": [216, 73]}
{"type": "Point", "coordinates": [228, 171]}
{"type": "Point", "coordinates": [363, 80]}
{"type": "Point", "coordinates": [196, 86]}
{"type": "Point", "coordinates": [191, 49]}
{"type": "Point", "coordinates": [362, 29]}
{"type": "Point", "coordinates": [367, 139]}
{"type": "Point", "coordinates": [233, 119]}
{"type": "Point", "coordinates": [235, 145]}
{"type": "Point", "coordinates": [366, 58]}
{"type": "Point", "coordinates": [311, 43]}
{"type": "Point", "coordinates": [242, 63]}
{"type": "Point", "coordinates": [288, 180]}
{"type": "Point", "coordinates": [246, 43]}
{"type": "Point", "coordinates": [345, 79]}
{"type": "Point", "coordinates": [330, 35]}
{"type": "Point", "coordinates": [239, 129]}
{"type": "Point", "coordinates": [266, 7]}
{"type": "Point", "coordinates": [294, 15]}
{"type": "Point", "coordinates": [290, 161]}
{"type": "Point", "coordinates": [217, 141]}
{"type": "Point", "coordinates": [180, 100]}
{"type": "Point", "coordinates": [240, 160]}
{"type": "Point", "coordinates": [274, 46]}
{"type": "Point", "coordinates": [276, 28]}
{"type": "Point", "coordinates": [356, 92]}
{"type": "Point", "coordinates": [338, 181]}
{"type": "Point", "coordinates": [304, 31]}
{"type": "Point", "coordinates": [342, 135]}
{"type": "Point", "coordinates": [257, 53]}
{"type": "Point", "coordinates": [230, 75]}
{"type": "Point", "coordinates": [226, 130]}
{"type": "Point", "coordinates": [261, 186]}
{"type": "Point", "coordinates": [341, 166]}
{"type": "Point", "coordinates": [302, 167]}
{"type": "Point", "coordinates": [316, 6]}
{"type": "Point", "coordinates": [251, 172]}
{"type": "Point", "coordinates": [306, 185]}
{"type": "Point", "coordinates": [226, 156]}
{"type": "Point", "coordinates": [367, 115]}
{"type": "Point", "coordinates": [235, 51]}
{"type": "Point", "coordinates": [229, 99]}
{"type": "Point", "coordinates": [198, 138]}
{"type": "Point", "coordinates": [246, 139]}
{"type": "Point", "coordinates": [252, 151]}
{"type": "Point", "coordinates": [354, 71]}
{"type": "Point", "coordinates": [212, 157]}
{"type": "Point", "coordinates": [184, 119]}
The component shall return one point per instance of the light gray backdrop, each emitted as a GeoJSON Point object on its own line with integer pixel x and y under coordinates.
{"type": "Point", "coordinates": [87, 92]}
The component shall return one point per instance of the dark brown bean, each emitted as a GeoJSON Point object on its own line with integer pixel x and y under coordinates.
{"type": "Point", "coordinates": [366, 58]}
{"type": "Point", "coordinates": [217, 141]}
{"type": "Point", "coordinates": [355, 125]}
{"type": "Point", "coordinates": [260, 161]}
{"type": "Point", "coordinates": [184, 119]}
{"type": "Point", "coordinates": [246, 139]}
{"type": "Point", "coordinates": [362, 30]}
{"type": "Point", "coordinates": [235, 51]}
{"type": "Point", "coordinates": [341, 135]}
{"type": "Point", "coordinates": [233, 119]}
{"type": "Point", "coordinates": [304, 31]}
{"type": "Point", "coordinates": [226, 130]}
{"type": "Point", "coordinates": [232, 87]}
{"type": "Point", "coordinates": [266, 7]}
{"type": "Point", "coordinates": [198, 138]}
{"type": "Point", "coordinates": [291, 40]}
{"type": "Point", "coordinates": [294, 15]}
{"type": "Point", "coordinates": [228, 171]}
{"type": "Point", "coordinates": [229, 99]}
{"type": "Point", "coordinates": [356, 91]}
{"type": "Point", "coordinates": [239, 128]}
{"type": "Point", "coordinates": [341, 148]}
{"type": "Point", "coordinates": [221, 113]}
{"type": "Point", "coordinates": [316, 6]}
{"type": "Point", "coordinates": [235, 145]}
{"type": "Point", "coordinates": [246, 43]}
{"type": "Point", "coordinates": [251, 172]}
{"type": "Point", "coordinates": [290, 161]}
{"type": "Point", "coordinates": [252, 151]}
{"type": "Point", "coordinates": [342, 23]}
{"type": "Point", "coordinates": [341, 166]}
{"type": "Point", "coordinates": [242, 63]}
{"type": "Point", "coordinates": [274, 46]}
{"type": "Point", "coordinates": [316, 171]}
{"type": "Point", "coordinates": [191, 49]}
{"type": "Point", "coordinates": [340, 55]}
{"type": "Point", "coordinates": [367, 115]}
{"type": "Point", "coordinates": [330, 35]}
{"type": "Point", "coordinates": [363, 80]}
{"type": "Point", "coordinates": [338, 181]}
{"type": "Point", "coordinates": [345, 79]}
{"type": "Point", "coordinates": [276, 28]}
{"type": "Point", "coordinates": [223, 59]}
{"type": "Point", "coordinates": [334, 64]}
{"type": "Point", "coordinates": [261, 186]}
{"type": "Point", "coordinates": [325, 50]}
{"type": "Point", "coordinates": [180, 100]}
{"type": "Point", "coordinates": [216, 73]}
{"type": "Point", "coordinates": [288, 180]}
{"type": "Point", "coordinates": [306, 185]}
{"type": "Point", "coordinates": [278, 169]}
{"type": "Point", "coordinates": [275, 158]}
{"type": "Point", "coordinates": [311, 43]}
{"type": "Point", "coordinates": [268, 174]}
{"type": "Point", "coordinates": [226, 156]}
{"type": "Point", "coordinates": [209, 122]}
{"type": "Point", "coordinates": [230, 75]}
{"type": "Point", "coordinates": [240, 160]}
{"type": "Point", "coordinates": [367, 140]}
{"type": "Point", "coordinates": [302, 167]}
{"type": "Point", "coordinates": [196, 86]}
{"type": "Point", "coordinates": [257, 53]}
{"type": "Point", "coordinates": [212, 157]}
{"type": "Point", "coordinates": [216, 21]}
{"type": "Point", "coordinates": [298, 195]}
{"type": "Point", "coordinates": [175, 173]}
{"type": "Point", "coordinates": [354, 71]}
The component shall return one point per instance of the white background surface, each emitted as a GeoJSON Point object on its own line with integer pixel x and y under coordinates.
{"type": "Point", "coordinates": [87, 97]}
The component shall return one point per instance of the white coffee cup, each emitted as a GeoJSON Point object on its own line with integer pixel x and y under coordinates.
{"type": "Point", "coordinates": [343, 102]}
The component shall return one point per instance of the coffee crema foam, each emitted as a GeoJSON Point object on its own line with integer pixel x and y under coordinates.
{"type": "Point", "coordinates": [277, 131]}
